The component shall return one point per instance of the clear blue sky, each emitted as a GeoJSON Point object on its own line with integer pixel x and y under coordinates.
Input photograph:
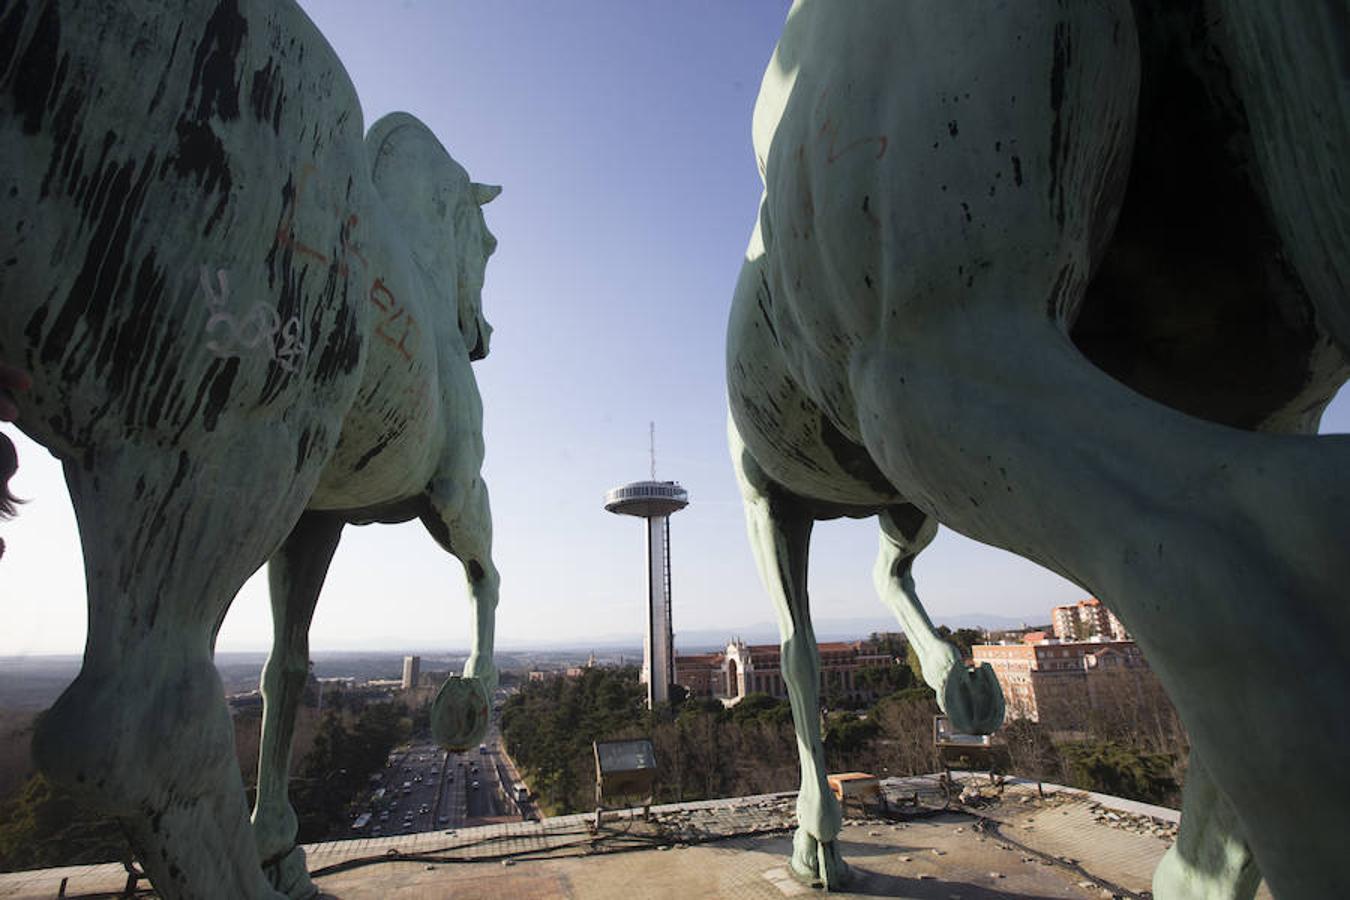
{"type": "Point", "coordinates": [621, 134]}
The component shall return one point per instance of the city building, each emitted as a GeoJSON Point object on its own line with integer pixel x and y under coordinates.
{"type": "Point", "coordinates": [1087, 619]}
{"type": "Point", "coordinates": [1063, 683]}
{"type": "Point", "coordinates": [743, 669]}
{"type": "Point", "coordinates": [578, 671]}
{"type": "Point", "coordinates": [412, 671]}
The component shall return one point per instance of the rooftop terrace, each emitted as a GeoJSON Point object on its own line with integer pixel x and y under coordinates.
{"type": "Point", "coordinates": [1018, 844]}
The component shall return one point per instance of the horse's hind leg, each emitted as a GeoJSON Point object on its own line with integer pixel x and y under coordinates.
{"type": "Point", "coordinates": [780, 535]}
{"type": "Point", "coordinates": [143, 732]}
{"type": "Point", "coordinates": [1185, 528]}
{"type": "Point", "coordinates": [460, 520]}
{"type": "Point", "coordinates": [971, 698]}
{"type": "Point", "coordinates": [295, 575]}
{"type": "Point", "coordinates": [1210, 860]}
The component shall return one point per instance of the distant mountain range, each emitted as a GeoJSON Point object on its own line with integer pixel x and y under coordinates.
{"type": "Point", "coordinates": [702, 639]}
{"type": "Point", "coordinates": [33, 682]}
{"type": "Point", "coordinates": [831, 630]}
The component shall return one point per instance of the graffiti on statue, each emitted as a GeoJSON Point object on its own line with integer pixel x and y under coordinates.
{"type": "Point", "coordinates": [259, 329]}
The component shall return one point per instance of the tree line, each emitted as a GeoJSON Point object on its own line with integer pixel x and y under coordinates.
{"type": "Point", "coordinates": [705, 750]}
{"type": "Point", "coordinates": [44, 825]}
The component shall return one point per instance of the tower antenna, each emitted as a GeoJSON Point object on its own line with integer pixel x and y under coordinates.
{"type": "Point", "coordinates": [653, 443]}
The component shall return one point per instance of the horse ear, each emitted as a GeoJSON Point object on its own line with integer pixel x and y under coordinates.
{"type": "Point", "coordinates": [485, 193]}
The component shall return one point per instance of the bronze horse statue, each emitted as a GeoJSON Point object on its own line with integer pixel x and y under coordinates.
{"type": "Point", "coordinates": [248, 323]}
{"type": "Point", "coordinates": [1071, 279]}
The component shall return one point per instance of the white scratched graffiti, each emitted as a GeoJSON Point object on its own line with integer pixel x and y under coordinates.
{"type": "Point", "coordinates": [258, 330]}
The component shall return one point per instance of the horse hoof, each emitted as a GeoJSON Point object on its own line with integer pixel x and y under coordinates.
{"type": "Point", "coordinates": [460, 714]}
{"type": "Point", "coordinates": [290, 876]}
{"type": "Point", "coordinates": [973, 700]}
{"type": "Point", "coordinates": [817, 862]}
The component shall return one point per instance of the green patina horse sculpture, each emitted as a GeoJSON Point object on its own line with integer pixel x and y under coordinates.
{"type": "Point", "coordinates": [248, 324]}
{"type": "Point", "coordinates": [1071, 279]}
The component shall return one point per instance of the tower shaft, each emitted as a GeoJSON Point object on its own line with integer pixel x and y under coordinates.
{"type": "Point", "coordinates": [654, 501]}
{"type": "Point", "coordinates": [658, 664]}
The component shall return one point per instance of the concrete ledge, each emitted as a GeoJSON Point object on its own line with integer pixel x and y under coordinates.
{"type": "Point", "coordinates": [1119, 804]}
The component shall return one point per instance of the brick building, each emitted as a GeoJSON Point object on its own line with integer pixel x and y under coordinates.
{"type": "Point", "coordinates": [700, 674]}
{"type": "Point", "coordinates": [1062, 683]}
{"type": "Point", "coordinates": [744, 668]}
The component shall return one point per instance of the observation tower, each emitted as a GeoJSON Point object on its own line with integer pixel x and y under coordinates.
{"type": "Point", "coordinates": [654, 501]}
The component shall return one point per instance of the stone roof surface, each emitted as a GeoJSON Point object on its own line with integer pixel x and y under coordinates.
{"type": "Point", "coordinates": [1016, 843]}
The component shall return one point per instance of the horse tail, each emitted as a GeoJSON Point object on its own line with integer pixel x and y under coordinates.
{"type": "Point", "coordinates": [9, 464]}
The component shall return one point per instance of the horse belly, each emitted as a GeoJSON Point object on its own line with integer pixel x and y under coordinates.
{"type": "Point", "coordinates": [792, 437]}
{"type": "Point", "coordinates": [393, 435]}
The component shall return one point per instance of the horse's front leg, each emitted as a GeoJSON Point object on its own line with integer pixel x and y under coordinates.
{"type": "Point", "coordinates": [971, 698]}
{"type": "Point", "coordinates": [780, 535]}
{"type": "Point", "coordinates": [295, 575]}
{"type": "Point", "coordinates": [461, 521]}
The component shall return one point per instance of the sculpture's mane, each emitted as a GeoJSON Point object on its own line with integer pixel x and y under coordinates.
{"type": "Point", "coordinates": [420, 183]}
{"type": "Point", "coordinates": [398, 137]}
{"type": "Point", "coordinates": [397, 140]}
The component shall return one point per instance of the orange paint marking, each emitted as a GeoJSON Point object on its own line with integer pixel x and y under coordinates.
{"type": "Point", "coordinates": [391, 311]}
{"type": "Point", "coordinates": [828, 128]}
{"type": "Point", "coordinates": [378, 288]}
{"type": "Point", "coordinates": [286, 230]}
{"type": "Point", "coordinates": [832, 155]}
{"type": "Point", "coordinates": [409, 327]}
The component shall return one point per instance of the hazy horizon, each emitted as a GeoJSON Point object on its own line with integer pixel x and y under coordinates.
{"type": "Point", "coordinates": [752, 632]}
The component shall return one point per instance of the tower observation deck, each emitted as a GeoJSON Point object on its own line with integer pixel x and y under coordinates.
{"type": "Point", "coordinates": [654, 501]}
